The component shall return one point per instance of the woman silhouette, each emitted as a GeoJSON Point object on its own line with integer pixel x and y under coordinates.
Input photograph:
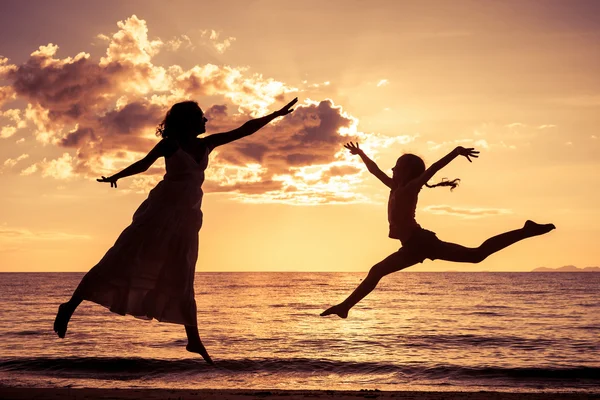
{"type": "Point", "coordinates": [149, 272]}
{"type": "Point", "coordinates": [409, 176]}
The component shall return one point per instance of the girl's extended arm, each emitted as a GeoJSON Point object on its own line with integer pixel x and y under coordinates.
{"type": "Point", "coordinates": [138, 166]}
{"type": "Point", "coordinates": [371, 166]}
{"type": "Point", "coordinates": [248, 128]}
{"type": "Point", "coordinates": [442, 162]}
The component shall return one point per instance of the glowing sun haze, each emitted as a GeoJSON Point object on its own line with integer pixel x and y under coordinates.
{"type": "Point", "coordinates": [83, 87]}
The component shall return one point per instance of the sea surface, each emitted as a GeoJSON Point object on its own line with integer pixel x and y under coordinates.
{"type": "Point", "coordinates": [416, 331]}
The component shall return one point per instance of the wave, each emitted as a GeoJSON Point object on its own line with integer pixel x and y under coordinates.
{"type": "Point", "coordinates": [470, 340]}
{"type": "Point", "coordinates": [486, 313]}
{"type": "Point", "coordinates": [134, 368]}
{"type": "Point", "coordinates": [24, 333]}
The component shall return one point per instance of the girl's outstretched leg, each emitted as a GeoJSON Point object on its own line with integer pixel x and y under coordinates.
{"type": "Point", "coordinates": [395, 262]}
{"type": "Point", "coordinates": [65, 311]}
{"type": "Point", "coordinates": [195, 344]}
{"type": "Point", "coordinates": [454, 252]}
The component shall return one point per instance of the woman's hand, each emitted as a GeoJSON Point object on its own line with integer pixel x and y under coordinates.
{"type": "Point", "coordinates": [285, 110]}
{"type": "Point", "coordinates": [467, 152]}
{"type": "Point", "coordinates": [111, 179]}
{"type": "Point", "coordinates": [354, 149]}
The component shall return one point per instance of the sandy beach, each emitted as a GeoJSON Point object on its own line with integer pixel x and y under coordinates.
{"type": "Point", "coordinates": [207, 394]}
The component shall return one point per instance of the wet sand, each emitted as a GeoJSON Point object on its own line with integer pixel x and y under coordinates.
{"type": "Point", "coordinates": [232, 394]}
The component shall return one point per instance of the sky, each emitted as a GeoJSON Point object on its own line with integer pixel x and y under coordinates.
{"type": "Point", "coordinates": [83, 86]}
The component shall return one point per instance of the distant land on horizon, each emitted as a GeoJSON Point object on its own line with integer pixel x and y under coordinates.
{"type": "Point", "coordinates": [567, 268]}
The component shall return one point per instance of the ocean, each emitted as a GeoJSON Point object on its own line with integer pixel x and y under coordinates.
{"type": "Point", "coordinates": [417, 331]}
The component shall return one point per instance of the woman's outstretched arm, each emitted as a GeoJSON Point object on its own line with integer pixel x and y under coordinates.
{"type": "Point", "coordinates": [248, 128]}
{"type": "Point", "coordinates": [371, 165]}
{"type": "Point", "coordinates": [442, 162]}
{"type": "Point", "coordinates": [139, 166]}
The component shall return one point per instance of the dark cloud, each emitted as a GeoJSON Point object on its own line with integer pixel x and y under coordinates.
{"type": "Point", "coordinates": [105, 109]}
{"type": "Point", "coordinates": [318, 125]}
{"type": "Point", "coordinates": [341, 171]}
{"type": "Point", "coordinates": [299, 159]}
{"type": "Point", "coordinates": [217, 111]}
{"type": "Point", "coordinates": [67, 89]}
{"type": "Point", "coordinates": [132, 118]}
{"type": "Point", "coordinates": [307, 136]}
{"type": "Point", "coordinates": [201, 82]}
{"type": "Point", "coordinates": [254, 151]}
{"type": "Point", "coordinates": [77, 137]}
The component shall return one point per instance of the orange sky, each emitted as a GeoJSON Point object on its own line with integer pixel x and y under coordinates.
{"type": "Point", "coordinates": [82, 88]}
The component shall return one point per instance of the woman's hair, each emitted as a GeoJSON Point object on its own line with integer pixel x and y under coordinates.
{"type": "Point", "coordinates": [412, 166]}
{"type": "Point", "coordinates": [179, 119]}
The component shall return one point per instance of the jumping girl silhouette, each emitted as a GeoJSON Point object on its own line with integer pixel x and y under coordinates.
{"type": "Point", "coordinates": [149, 272]}
{"type": "Point", "coordinates": [409, 176]}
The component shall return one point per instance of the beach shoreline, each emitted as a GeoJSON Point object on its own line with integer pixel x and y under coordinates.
{"type": "Point", "coordinates": [244, 394]}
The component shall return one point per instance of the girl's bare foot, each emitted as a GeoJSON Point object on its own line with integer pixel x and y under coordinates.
{"type": "Point", "coordinates": [537, 229]}
{"type": "Point", "coordinates": [337, 310]}
{"type": "Point", "coordinates": [62, 319]}
{"type": "Point", "coordinates": [200, 349]}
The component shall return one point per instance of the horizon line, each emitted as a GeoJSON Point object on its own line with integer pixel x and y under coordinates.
{"type": "Point", "coordinates": [314, 272]}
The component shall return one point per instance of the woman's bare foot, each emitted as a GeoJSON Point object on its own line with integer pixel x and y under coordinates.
{"type": "Point", "coordinates": [337, 310]}
{"type": "Point", "coordinates": [536, 229]}
{"type": "Point", "coordinates": [62, 319]}
{"type": "Point", "coordinates": [200, 349]}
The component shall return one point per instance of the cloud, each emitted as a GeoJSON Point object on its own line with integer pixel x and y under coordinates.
{"type": "Point", "coordinates": [118, 100]}
{"type": "Point", "coordinates": [213, 37]}
{"type": "Point", "coordinates": [102, 113]}
{"type": "Point", "coordinates": [7, 131]}
{"type": "Point", "coordinates": [60, 168]}
{"type": "Point", "coordinates": [18, 235]}
{"type": "Point", "coordinates": [6, 94]}
{"type": "Point", "coordinates": [5, 68]}
{"type": "Point", "coordinates": [516, 125]}
{"type": "Point", "coordinates": [131, 44]}
{"type": "Point", "coordinates": [466, 212]}
{"type": "Point", "coordinates": [481, 143]}
{"type": "Point", "coordinates": [13, 115]}
{"type": "Point", "coordinates": [29, 170]}
{"type": "Point", "coordinates": [303, 158]}
{"type": "Point", "coordinates": [11, 162]}
{"type": "Point", "coordinates": [176, 43]}
{"type": "Point", "coordinates": [383, 82]}
{"type": "Point", "coordinates": [252, 94]}
{"type": "Point", "coordinates": [546, 126]}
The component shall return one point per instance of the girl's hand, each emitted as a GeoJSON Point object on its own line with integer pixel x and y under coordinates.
{"type": "Point", "coordinates": [112, 180]}
{"type": "Point", "coordinates": [467, 152]}
{"type": "Point", "coordinates": [285, 110]}
{"type": "Point", "coordinates": [354, 149]}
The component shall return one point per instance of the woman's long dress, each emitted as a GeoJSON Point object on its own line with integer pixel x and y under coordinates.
{"type": "Point", "coordinates": [149, 272]}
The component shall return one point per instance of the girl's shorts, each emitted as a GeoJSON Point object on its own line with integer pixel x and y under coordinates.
{"type": "Point", "coordinates": [421, 245]}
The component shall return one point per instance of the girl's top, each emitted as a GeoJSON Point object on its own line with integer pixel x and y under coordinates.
{"type": "Point", "coordinates": [402, 205]}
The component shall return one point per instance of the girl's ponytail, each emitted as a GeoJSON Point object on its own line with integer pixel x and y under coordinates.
{"type": "Point", "coordinates": [445, 182]}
